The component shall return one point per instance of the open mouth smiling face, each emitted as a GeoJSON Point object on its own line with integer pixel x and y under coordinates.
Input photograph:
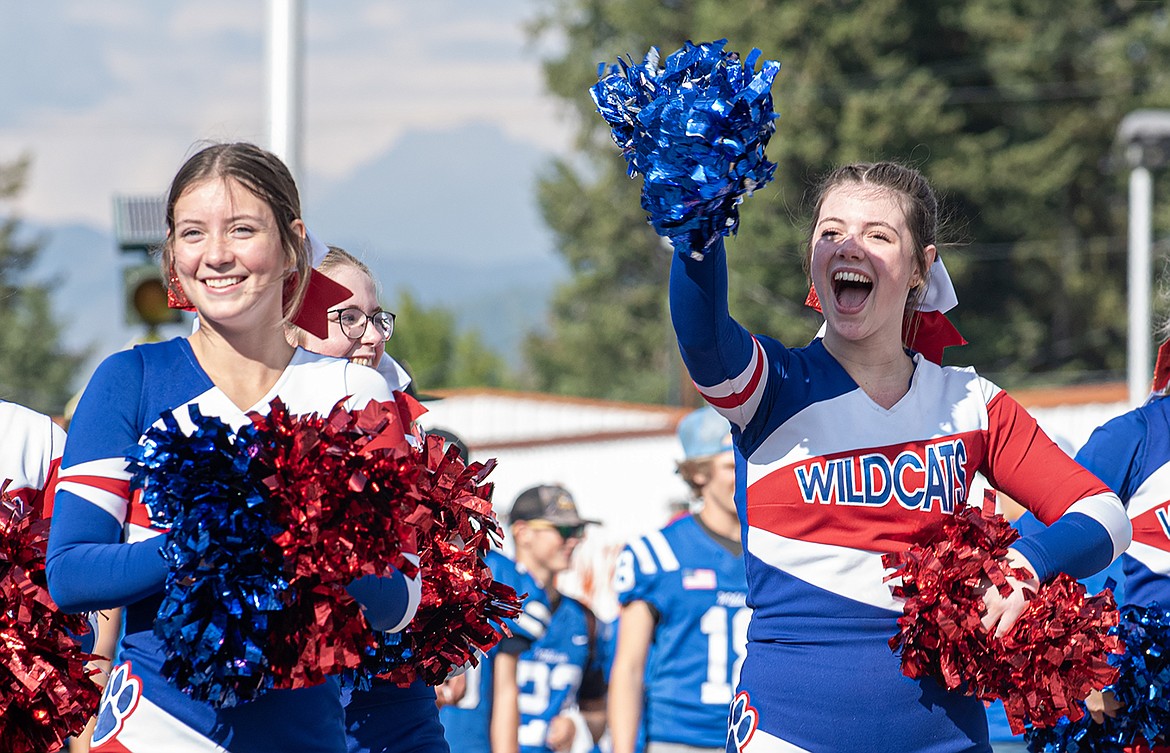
{"type": "Point", "coordinates": [863, 262]}
{"type": "Point", "coordinates": [851, 290]}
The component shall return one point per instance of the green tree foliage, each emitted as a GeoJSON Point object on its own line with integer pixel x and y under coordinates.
{"type": "Point", "coordinates": [427, 343]}
{"type": "Point", "coordinates": [1009, 106]}
{"type": "Point", "coordinates": [34, 369]}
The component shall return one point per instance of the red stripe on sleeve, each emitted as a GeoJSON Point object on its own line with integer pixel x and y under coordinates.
{"type": "Point", "coordinates": [736, 399]}
{"type": "Point", "coordinates": [120, 487]}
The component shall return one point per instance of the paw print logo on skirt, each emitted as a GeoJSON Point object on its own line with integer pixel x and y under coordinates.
{"type": "Point", "coordinates": [118, 701]}
{"type": "Point", "coordinates": [742, 720]}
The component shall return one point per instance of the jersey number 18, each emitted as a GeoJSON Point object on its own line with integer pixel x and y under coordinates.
{"type": "Point", "coordinates": [717, 624]}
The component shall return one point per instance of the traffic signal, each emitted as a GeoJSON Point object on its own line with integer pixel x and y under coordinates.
{"type": "Point", "coordinates": [146, 296]}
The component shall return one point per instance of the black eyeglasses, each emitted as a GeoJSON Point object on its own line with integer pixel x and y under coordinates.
{"type": "Point", "coordinates": [354, 321]}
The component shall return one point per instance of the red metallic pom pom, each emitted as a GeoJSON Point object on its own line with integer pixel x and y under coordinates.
{"type": "Point", "coordinates": [46, 693]}
{"type": "Point", "coordinates": [353, 496]}
{"type": "Point", "coordinates": [343, 490]}
{"type": "Point", "coordinates": [460, 599]}
{"type": "Point", "coordinates": [1055, 654]}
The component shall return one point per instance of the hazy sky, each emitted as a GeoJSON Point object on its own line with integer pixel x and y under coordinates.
{"type": "Point", "coordinates": [111, 97]}
{"type": "Point", "coordinates": [425, 126]}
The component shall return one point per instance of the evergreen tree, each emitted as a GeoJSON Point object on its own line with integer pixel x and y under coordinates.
{"type": "Point", "coordinates": [1010, 107]}
{"type": "Point", "coordinates": [34, 368]}
{"type": "Point", "coordinates": [427, 343]}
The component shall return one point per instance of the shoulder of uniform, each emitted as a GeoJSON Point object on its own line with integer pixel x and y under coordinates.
{"type": "Point", "coordinates": [654, 553]}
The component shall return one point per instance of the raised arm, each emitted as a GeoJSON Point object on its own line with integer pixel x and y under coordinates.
{"type": "Point", "coordinates": [726, 363]}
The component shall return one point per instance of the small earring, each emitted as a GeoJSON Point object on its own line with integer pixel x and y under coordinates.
{"type": "Point", "coordinates": [176, 296]}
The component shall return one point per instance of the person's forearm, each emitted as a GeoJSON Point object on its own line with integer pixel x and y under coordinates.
{"type": "Point", "coordinates": [624, 710]}
{"type": "Point", "coordinates": [89, 568]}
{"type": "Point", "coordinates": [505, 724]}
{"type": "Point", "coordinates": [390, 602]}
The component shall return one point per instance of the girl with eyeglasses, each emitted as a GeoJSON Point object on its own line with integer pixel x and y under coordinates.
{"type": "Point", "coordinates": [385, 718]}
{"type": "Point", "coordinates": [358, 326]}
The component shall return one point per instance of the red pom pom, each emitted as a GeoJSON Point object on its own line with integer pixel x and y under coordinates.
{"type": "Point", "coordinates": [460, 599]}
{"type": "Point", "coordinates": [46, 693]}
{"type": "Point", "coordinates": [343, 488]}
{"type": "Point", "coordinates": [1054, 655]}
{"type": "Point", "coordinates": [353, 496]}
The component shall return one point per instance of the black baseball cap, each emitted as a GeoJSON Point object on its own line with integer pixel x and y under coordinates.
{"type": "Point", "coordinates": [547, 502]}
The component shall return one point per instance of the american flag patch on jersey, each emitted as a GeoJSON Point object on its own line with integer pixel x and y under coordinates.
{"type": "Point", "coordinates": [700, 579]}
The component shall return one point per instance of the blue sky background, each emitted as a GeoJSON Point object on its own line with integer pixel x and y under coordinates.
{"type": "Point", "coordinates": [424, 128]}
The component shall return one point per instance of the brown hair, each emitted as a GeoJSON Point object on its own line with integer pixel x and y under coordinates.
{"type": "Point", "coordinates": [269, 180]}
{"type": "Point", "coordinates": [918, 200]}
{"type": "Point", "coordinates": [689, 469]}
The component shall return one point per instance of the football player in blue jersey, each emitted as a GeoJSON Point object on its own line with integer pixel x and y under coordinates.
{"type": "Point", "coordinates": [561, 677]}
{"type": "Point", "coordinates": [486, 719]}
{"type": "Point", "coordinates": [682, 632]}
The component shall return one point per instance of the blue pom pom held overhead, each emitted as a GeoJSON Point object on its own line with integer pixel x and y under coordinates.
{"type": "Point", "coordinates": [696, 130]}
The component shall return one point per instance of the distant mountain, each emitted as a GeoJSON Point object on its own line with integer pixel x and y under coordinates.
{"type": "Point", "coordinates": [452, 217]}
{"type": "Point", "coordinates": [449, 216]}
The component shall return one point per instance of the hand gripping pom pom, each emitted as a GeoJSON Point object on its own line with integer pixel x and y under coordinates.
{"type": "Point", "coordinates": [1053, 656]}
{"type": "Point", "coordinates": [1140, 688]}
{"type": "Point", "coordinates": [460, 599]}
{"type": "Point", "coordinates": [696, 130]}
{"type": "Point", "coordinates": [46, 693]}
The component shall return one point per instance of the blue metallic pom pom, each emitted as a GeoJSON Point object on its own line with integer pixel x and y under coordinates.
{"type": "Point", "coordinates": [696, 130]}
{"type": "Point", "coordinates": [1141, 688]}
{"type": "Point", "coordinates": [387, 653]}
{"type": "Point", "coordinates": [225, 575]}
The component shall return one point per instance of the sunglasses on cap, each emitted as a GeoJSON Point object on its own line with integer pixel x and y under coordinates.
{"type": "Point", "coordinates": [566, 532]}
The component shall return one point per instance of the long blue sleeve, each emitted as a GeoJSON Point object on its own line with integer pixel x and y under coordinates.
{"type": "Point", "coordinates": [85, 575]}
{"type": "Point", "coordinates": [390, 601]}
{"type": "Point", "coordinates": [714, 347]}
{"type": "Point", "coordinates": [88, 564]}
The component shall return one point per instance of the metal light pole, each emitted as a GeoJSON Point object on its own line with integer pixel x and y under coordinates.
{"type": "Point", "coordinates": [285, 48]}
{"type": "Point", "coordinates": [1146, 136]}
{"type": "Point", "coordinates": [1141, 210]}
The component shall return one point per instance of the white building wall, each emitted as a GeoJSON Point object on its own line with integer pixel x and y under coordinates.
{"type": "Point", "coordinates": [1076, 422]}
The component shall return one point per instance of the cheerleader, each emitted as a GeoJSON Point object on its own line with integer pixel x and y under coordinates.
{"type": "Point", "coordinates": [236, 254]}
{"type": "Point", "coordinates": [1131, 453]}
{"type": "Point", "coordinates": [847, 448]}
